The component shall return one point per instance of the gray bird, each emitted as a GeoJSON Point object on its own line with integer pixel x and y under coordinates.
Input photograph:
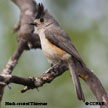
{"type": "Point", "coordinates": [57, 46]}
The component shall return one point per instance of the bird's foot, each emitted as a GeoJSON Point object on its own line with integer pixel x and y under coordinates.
{"type": "Point", "coordinates": [53, 68]}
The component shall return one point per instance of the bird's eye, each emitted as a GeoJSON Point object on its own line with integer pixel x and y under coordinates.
{"type": "Point", "coordinates": [41, 20]}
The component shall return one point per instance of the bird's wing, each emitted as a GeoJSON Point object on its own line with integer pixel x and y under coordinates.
{"type": "Point", "coordinates": [58, 37]}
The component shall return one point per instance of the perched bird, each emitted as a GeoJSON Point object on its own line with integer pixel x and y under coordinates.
{"type": "Point", "coordinates": [57, 46]}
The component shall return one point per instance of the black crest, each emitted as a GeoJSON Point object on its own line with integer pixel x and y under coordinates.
{"type": "Point", "coordinates": [40, 11]}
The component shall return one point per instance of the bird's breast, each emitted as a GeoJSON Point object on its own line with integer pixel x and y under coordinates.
{"type": "Point", "coordinates": [52, 52]}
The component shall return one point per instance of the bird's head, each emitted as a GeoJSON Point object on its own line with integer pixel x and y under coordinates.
{"type": "Point", "coordinates": [42, 18]}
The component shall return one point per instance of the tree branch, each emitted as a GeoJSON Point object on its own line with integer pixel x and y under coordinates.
{"type": "Point", "coordinates": [35, 82]}
{"type": "Point", "coordinates": [25, 36]}
{"type": "Point", "coordinates": [11, 65]}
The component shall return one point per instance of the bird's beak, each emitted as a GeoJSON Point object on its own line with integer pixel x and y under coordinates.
{"type": "Point", "coordinates": [33, 23]}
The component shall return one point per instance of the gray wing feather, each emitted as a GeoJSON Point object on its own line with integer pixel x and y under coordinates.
{"type": "Point", "coordinates": [58, 37]}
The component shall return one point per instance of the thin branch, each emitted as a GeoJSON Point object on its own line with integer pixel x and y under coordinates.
{"type": "Point", "coordinates": [28, 10]}
{"type": "Point", "coordinates": [35, 82]}
{"type": "Point", "coordinates": [11, 65]}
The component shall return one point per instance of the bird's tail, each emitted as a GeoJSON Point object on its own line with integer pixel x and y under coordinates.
{"type": "Point", "coordinates": [76, 80]}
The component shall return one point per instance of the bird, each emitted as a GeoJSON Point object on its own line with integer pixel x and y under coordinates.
{"type": "Point", "coordinates": [57, 46]}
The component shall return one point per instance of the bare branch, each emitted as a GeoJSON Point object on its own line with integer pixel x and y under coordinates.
{"type": "Point", "coordinates": [28, 10]}
{"type": "Point", "coordinates": [11, 65]}
{"type": "Point", "coordinates": [35, 82]}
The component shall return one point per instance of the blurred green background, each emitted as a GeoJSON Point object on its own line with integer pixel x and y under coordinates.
{"type": "Point", "coordinates": [86, 21]}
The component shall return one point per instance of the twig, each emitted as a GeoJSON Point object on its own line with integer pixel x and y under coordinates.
{"type": "Point", "coordinates": [28, 10]}
{"type": "Point", "coordinates": [35, 82]}
{"type": "Point", "coordinates": [11, 65]}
